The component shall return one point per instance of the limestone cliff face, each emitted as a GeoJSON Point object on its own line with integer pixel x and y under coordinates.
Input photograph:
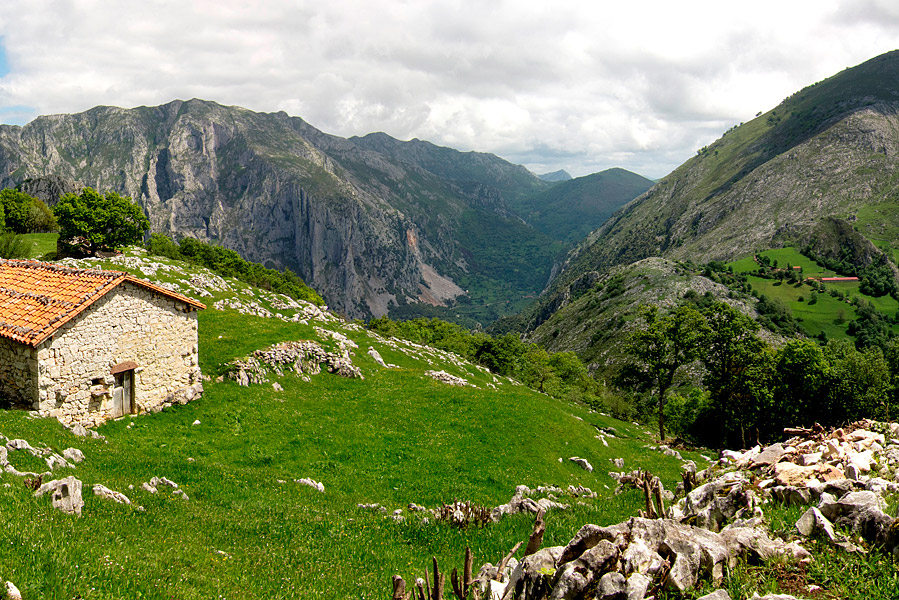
{"type": "Point", "coordinates": [270, 186]}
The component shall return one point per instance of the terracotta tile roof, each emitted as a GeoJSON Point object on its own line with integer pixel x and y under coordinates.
{"type": "Point", "coordinates": [38, 298]}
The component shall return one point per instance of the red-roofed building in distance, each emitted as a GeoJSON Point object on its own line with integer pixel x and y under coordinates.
{"type": "Point", "coordinates": [85, 346]}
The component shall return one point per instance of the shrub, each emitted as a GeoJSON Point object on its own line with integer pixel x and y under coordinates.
{"type": "Point", "coordinates": [13, 246]}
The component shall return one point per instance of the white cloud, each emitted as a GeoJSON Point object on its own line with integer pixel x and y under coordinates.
{"type": "Point", "coordinates": [570, 84]}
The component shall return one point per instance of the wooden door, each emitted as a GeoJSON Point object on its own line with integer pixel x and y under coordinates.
{"type": "Point", "coordinates": [123, 394]}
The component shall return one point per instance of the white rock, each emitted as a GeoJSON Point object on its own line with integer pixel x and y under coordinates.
{"type": "Point", "coordinates": [73, 455]}
{"type": "Point", "coordinates": [197, 422]}
{"type": "Point", "coordinates": [12, 592]}
{"type": "Point", "coordinates": [65, 494]}
{"type": "Point", "coordinates": [312, 483]}
{"type": "Point", "coordinates": [807, 460]}
{"type": "Point", "coordinates": [108, 494]}
{"type": "Point", "coordinates": [582, 462]}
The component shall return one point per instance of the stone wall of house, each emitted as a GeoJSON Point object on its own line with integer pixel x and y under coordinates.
{"type": "Point", "coordinates": [130, 323]}
{"type": "Point", "coordinates": [18, 373]}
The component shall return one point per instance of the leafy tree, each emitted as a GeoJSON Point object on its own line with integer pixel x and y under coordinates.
{"type": "Point", "coordinates": [858, 384]}
{"type": "Point", "coordinates": [99, 222]}
{"type": "Point", "coordinates": [878, 280]}
{"type": "Point", "coordinates": [732, 355]}
{"type": "Point", "coordinates": [2, 217]}
{"type": "Point", "coordinates": [536, 370]}
{"type": "Point", "coordinates": [801, 373]}
{"type": "Point", "coordinates": [25, 214]}
{"type": "Point", "coordinates": [663, 346]}
{"type": "Point", "coordinates": [502, 355]}
{"type": "Point", "coordinates": [871, 327]}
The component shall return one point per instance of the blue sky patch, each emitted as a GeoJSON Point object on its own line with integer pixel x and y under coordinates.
{"type": "Point", "coordinates": [4, 65]}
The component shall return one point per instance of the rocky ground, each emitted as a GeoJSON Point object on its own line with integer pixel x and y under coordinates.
{"type": "Point", "coordinates": [844, 476]}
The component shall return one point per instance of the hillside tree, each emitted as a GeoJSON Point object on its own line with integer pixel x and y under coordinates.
{"type": "Point", "coordinates": [733, 356]}
{"type": "Point", "coordinates": [663, 345]}
{"type": "Point", "coordinates": [99, 222]}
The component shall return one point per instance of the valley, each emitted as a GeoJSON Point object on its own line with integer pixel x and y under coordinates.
{"type": "Point", "coordinates": [469, 328]}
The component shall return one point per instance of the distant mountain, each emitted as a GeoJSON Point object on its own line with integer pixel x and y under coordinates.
{"type": "Point", "coordinates": [560, 175]}
{"type": "Point", "coordinates": [819, 170]}
{"type": "Point", "coordinates": [569, 210]}
{"type": "Point", "coordinates": [374, 224]}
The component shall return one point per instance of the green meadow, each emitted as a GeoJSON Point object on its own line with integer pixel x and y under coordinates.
{"type": "Point", "coordinates": [249, 530]}
{"type": "Point", "coordinates": [828, 314]}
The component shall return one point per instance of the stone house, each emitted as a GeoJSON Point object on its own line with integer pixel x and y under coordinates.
{"type": "Point", "coordinates": [85, 346]}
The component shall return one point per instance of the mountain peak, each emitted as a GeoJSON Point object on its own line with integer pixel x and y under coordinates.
{"type": "Point", "coordinates": [560, 175]}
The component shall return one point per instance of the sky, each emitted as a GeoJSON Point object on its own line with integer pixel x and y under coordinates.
{"type": "Point", "coordinates": [580, 85]}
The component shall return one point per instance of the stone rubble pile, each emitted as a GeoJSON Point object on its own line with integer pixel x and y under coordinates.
{"type": "Point", "coordinates": [627, 560]}
{"type": "Point", "coordinates": [840, 475]}
{"type": "Point", "coordinates": [304, 357]}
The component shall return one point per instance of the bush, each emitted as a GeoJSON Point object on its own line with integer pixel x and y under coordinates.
{"type": "Point", "coordinates": [13, 246]}
{"type": "Point", "coordinates": [25, 214]}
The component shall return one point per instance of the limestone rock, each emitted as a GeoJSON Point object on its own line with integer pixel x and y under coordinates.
{"type": "Point", "coordinates": [582, 462]}
{"type": "Point", "coordinates": [447, 378]}
{"type": "Point", "coordinates": [108, 494]}
{"type": "Point", "coordinates": [12, 592]}
{"type": "Point", "coordinates": [813, 522]}
{"type": "Point", "coordinates": [636, 587]}
{"type": "Point", "coordinates": [64, 493]}
{"type": "Point", "coordinates": [312, 483]}
{"type": "Point", "coordinates": [769, 455]}
{"type": "Point", "coordinates": [611, 586]}
{"type": "Point", "coordinates": [716, 595]}
{"type": "Point", "coordinates": [73, 455]}
{"type": "Point", "coordinates": [528, 579]}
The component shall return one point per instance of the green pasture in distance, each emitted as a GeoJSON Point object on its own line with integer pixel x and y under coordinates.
{"type": "Point", "coordinates": [41, 243]}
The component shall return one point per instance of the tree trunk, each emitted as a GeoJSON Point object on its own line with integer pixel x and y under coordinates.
{"type": "Point", "coordinates": [662, 391]}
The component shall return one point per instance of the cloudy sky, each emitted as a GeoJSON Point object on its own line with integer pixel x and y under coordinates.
{"type": "Point", "coordinates": [582, 85]}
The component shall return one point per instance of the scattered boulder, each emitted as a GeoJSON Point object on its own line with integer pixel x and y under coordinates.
{"type": "Point", "coordinates": [311, 483]}
{"type": "Point", "coordinates": [73, 455]}
{"type": "Point", "coordinates": [108, 494]}
{"type": "Point", "coordinates": [444, 377]}
{"type": "Point", "coordinates": [12, 592]}
{"type": "Point", "coordinates": [64, 493]}
{"type": "Point", "coordinates": [583, 463]}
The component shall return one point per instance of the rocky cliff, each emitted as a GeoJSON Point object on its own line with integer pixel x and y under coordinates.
{"type": "Point", "coordinates": [370, 229]}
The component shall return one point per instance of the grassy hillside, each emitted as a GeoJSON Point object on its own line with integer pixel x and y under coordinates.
{"type": "Point", "coordinates": [249, 530]}
{"type": "Point", "coordinates": [826, 156]}
{"type": "Point", "coordinates": [829, 313]}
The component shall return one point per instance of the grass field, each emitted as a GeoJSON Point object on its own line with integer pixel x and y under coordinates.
{"type": "Point", "coordinates": [41, 243]}
{"type": "Point", "coordinates": [828, 314]}
{"type": "Point", "coordinates": [250, 531]}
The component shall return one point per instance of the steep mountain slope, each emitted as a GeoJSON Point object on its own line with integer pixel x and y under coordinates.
{"type": "Point", "coordinates": [830, 151]}
{"type": "Point", "coordinates": [571, 209]}
{"type": "Point", "coordinates": [597, 311]}
{"type": "Point", "coordinates": [371, 232]}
